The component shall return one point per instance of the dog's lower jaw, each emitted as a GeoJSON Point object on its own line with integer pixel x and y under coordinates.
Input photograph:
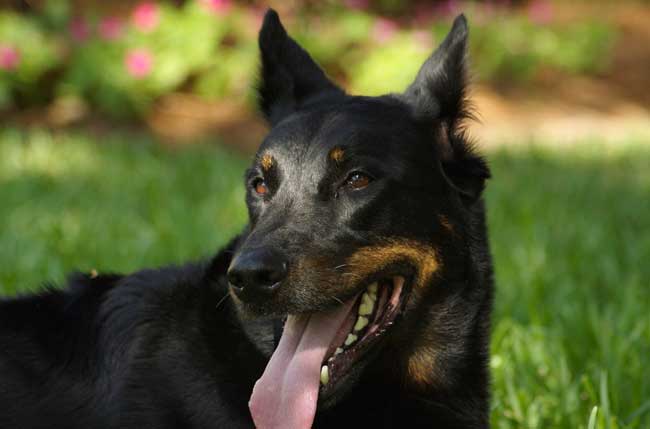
{"type": "Point", "coordinates": [382, 400]}
{"type": "Point", "coordinates": [432, 378]}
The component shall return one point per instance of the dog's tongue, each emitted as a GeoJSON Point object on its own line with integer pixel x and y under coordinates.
{"type": "Point", "coordinates": [286, 394]}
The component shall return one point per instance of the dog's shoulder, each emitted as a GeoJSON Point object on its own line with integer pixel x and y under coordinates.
{"type": "Point", "coordinates": [81, 351]}
{"type": "Point", "coordinates": [48, 316]}
{"type": "Point", "coordinates": [47, 354]}
{"type": "Point", "coordinates": [153, 348]}
{"type": "Point", "coordinates": [87, 303]}
{"type": "Point", "coordinates": [190, 360]}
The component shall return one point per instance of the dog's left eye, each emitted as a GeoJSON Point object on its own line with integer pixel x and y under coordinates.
{"type": "Point", "coordinates": [260, 187]}
{"type": "Point", "coordinates": [357, 180]}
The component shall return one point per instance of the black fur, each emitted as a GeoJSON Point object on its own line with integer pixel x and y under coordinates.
{"type": "Point", "coordinates": [177, 348]}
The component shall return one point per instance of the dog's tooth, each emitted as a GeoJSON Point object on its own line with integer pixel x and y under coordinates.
{"type": "Point", "coordinates": [365, 297]}
{"type": "Point", "coordinates": [366, 306]}
{"type": "Point", "coordinates": [372, 289]}
{"type": "Point", "coordinates": [362, 322]}
{"type": "Point", "coordinates": [338, 351]}
{"type": "Point", "coordinates": [368, 298]}
{"type": "Point", "coordinates": [351, 338]}
{"type": "Point", "coordinates": [324, 375]}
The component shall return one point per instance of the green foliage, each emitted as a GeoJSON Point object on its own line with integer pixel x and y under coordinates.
{"type": "Point", "coordinates": [513, 47]}
{"type": "Point", "coordinates": [502, 48]}
{"type": "Point", "coordinates": [389, 68]}
{"type": "Point", "coordinates": [571, 329]}
{"type": "Point", "coordinates": [213, 53]}
{"type": "Point", "coordinates": [37, 53]}
{"type": "Point", "coordinates": [181, 43]}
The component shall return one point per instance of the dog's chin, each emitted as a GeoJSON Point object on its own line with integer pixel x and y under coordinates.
{"type": "Point", "coordinates": [275, 310]}
{"type": "Point", "coordinates": [258, 312]}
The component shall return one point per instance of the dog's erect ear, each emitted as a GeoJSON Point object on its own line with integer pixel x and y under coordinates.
{"type": "Point", "coordinates": [290, 79]}
{"type": "Point", "coordinates": [438, 91]}
{"type": "Point", "coordinates": [438, 96]}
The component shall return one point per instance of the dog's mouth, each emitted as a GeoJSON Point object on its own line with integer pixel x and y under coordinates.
{"type": "Point", "coordinates": [317, 352]}
{"type": "Point", "coordinates": [373, 312]}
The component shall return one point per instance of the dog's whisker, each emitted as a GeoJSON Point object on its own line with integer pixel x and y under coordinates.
{"type": "Point", "coordinates": [337, 299]}
{"type": "Point", "coordinates": [222, 299]}
{"type": "Point", "coordinates": [338, 267]}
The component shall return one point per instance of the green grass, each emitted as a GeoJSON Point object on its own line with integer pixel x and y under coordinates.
{"type": "Point", "coordinates": [569, 230]}
{"type": "Point", "coordinates": [67, 203]}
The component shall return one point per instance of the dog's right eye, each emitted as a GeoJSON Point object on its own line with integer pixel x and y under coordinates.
{"type": "Point", "coordinates": [358, 180]}
{"type": "Point", "coordinates": [260, 187]}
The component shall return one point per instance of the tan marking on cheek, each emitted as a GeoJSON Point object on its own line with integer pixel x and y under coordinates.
{"type": "Point", "coordinates": [421, 367]}
{"type": "Point", "coordinates": [368, 260]}
{"type": "Point", "coordinates": [267, 162]}
{"type": "Point", "coordinates": [444, 221]}
{"type": "Point", "coordinates": [337, 154]}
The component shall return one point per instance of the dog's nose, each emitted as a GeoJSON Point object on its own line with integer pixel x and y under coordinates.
{"type": "Point", "coordinates": [256, 274]}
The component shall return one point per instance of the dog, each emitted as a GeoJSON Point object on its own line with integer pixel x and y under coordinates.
{"type": "Point", "coordinates": [359, 294]}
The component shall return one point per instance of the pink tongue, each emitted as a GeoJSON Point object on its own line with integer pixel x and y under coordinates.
{"type": "Point", "coordinates": [286, 394]}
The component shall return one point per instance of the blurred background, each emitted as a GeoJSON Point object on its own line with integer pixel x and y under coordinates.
{"type": "Point", "coordinates": [125, 128]}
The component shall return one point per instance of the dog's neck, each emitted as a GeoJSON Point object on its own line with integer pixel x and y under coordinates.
{"type": "Point", "coordinates": [440, 372]}
{"type": "Point", "coordinates": [447, 361]}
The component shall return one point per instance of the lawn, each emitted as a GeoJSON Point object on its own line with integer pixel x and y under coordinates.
{"type": "Point", "coordinates": [569, 229]}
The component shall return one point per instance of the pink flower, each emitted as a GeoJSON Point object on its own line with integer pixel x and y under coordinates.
{"type": "Point", "coordinates": [257, 17]}
{"type": "Point", "coordinates": [540, 11]}
{"type": "Point", "coordinates": [9, 57]}
{"type": "Point", "coordinates": [357, 4]}
{"type": "Point", "coordinates": [138, 62]}
{"type": "Point", "coordinates": [488, 9]}
{"type": "Point", "coordinates": [146, 16]}
{"type": "Point", "coordinates": [219, 7]}
{"type": "Point", "coordinates": [110, 28]}
{"type": "Point", "coordinates": [384, 30]}
{"type": "Point", "coordinates": [424, 14]}
{"type": "Point", "coordinates": [449, 8]}
{"type": "Point", "coordinates": [79, 29]}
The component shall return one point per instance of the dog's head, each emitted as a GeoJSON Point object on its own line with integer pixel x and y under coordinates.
{"type": "Point", "coordinates": [356, 204]}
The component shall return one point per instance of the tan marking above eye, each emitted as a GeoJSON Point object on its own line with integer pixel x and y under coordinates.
{"type": "Point", "coordinates": [337, 154]}
{"type": "Point", "coordinates": [266, 161]}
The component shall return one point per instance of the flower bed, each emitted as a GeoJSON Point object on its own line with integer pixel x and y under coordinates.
{"type": "Point", "coordinates": [121, 64]}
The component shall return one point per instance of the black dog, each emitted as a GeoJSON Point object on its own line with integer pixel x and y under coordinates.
{"type": "Point", "coordinates": [366, 259]}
